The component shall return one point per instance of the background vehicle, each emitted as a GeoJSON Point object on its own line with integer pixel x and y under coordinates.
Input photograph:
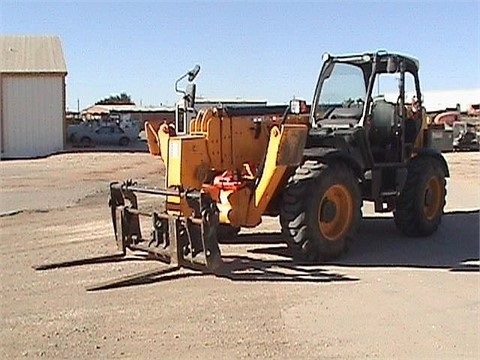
{"type": "Point", "coordinates": [474, 110]}
{"type": "Point", "coordinates": [466, 136]}
{"type": "Point", "coordinates": [73, 128]}
{"type": "Point", "coordinates": [87, 135]}
{"type": "Point", "coordinates": [312, 170]}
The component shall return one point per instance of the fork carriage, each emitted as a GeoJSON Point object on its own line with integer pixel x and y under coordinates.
{"type": "Point", "coordinates": [185, 241]}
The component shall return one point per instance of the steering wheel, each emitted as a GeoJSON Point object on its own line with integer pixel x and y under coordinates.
{"type": "Point", "coordinates": [360, 101]}
{"type": "Point", "coordinates": [351, 102]}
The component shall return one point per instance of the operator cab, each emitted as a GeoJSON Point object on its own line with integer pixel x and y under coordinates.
{"type": "Point", "coordinates": [370, 91]}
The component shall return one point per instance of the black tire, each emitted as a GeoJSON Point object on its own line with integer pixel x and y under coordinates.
{"type": "Point", "coordinates": [124, 141]}
{"type": "Point", "coordinates": [306, 196]}
{"type": "Point", "coordinates": [85, 141]}
{"type": "Point", "coordinates": [419, 207]}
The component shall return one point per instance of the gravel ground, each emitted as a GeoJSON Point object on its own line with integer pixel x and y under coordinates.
{"type": "Point", "coordinates": [389, 297]}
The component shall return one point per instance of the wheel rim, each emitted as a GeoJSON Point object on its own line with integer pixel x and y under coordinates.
{"type": "Point", "coordinates": [334, 226]}
{"type": "Point", "coordinates": [433, 198]}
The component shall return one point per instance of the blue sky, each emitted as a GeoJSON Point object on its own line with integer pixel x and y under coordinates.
{"type": "Point", "coordinates": [249, 49]}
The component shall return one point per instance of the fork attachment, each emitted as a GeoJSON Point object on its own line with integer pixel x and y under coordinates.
{"type": "Point", "coordinates": [174, 239]}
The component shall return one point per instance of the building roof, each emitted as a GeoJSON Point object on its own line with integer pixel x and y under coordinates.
{"type": "Point", "coordinates": [237, 100]}
{"type": "Point", "coordinates": [202, 102]}
{"type": "Point", "coordinates": [31, 54]}
{"type": "Point", "coordinates": [107, 109]}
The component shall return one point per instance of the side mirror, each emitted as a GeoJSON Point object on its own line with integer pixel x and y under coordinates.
{"type": "Point", "coordinates": [190, 96]}
{"type": "Point", "coordinates": [392, 65]}
{"type": "Point", "coordinates": [192, 74]}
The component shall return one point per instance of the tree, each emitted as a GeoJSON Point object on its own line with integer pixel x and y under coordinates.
{"type": "Point", "coordinates": [122, 99]}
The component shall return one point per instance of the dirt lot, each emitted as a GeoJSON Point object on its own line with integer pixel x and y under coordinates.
{"type": "Point", "coordinates": [388, 297]}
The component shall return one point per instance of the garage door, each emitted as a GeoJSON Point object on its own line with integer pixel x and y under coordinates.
{"type": "Point", "coordinates": [33, 115]}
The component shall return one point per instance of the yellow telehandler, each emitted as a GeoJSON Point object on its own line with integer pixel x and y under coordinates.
{"type": "Point", "coordinates": [311, 168]}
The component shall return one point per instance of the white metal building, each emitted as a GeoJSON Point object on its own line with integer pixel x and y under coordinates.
{"type": "Point", "coordinates": [32, 96]}
{"type": "Point", "coordinates": [450, 99]}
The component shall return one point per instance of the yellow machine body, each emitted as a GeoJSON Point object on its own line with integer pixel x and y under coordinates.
{"type": "Point", "coordinates": [256, 151]}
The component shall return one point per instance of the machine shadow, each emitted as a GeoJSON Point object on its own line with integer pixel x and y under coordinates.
{"type": "Point", "coordinates": [102, 259]}
{"type": "Point", "coordinates": [236, 268]}
{"type": "Point", "coordinates": [455, 246]}
{"type": "Point", "coordinates": [270, 237]}
{"type": "Point", "coordinates": [245, 268]}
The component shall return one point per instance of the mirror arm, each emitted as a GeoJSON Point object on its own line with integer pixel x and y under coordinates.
{"type": "Point", "coordinates": [285, 114]}
{"type": "Point", "coordinates": [176, 84]}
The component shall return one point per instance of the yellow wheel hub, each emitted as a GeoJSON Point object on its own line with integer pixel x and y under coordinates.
{"type": "Point", "coordinates": [335, 213]}
{"type": "Point", "coordinates": [433, 198]}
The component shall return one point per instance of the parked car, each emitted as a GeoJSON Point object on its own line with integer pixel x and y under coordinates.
{"type": "Point", "coordinates": [106, 134]}
{"type": "Point", "coordinates": [73, 128]}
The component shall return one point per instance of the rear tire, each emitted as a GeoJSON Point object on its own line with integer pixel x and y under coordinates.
{"type": "Point", "coordinates": [85, 141]}
{"type": "Point", "coordinates": [419, 207]}
{"type": "Point", "coordinates": [321, 209]}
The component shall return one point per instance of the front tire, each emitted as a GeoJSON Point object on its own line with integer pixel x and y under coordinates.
{"type": "Point", "coordinates": [321, 209]}
{"type": "Point", "coordinates": [419, 207]}
{"type": "Point", "coordinates": [124, 141]}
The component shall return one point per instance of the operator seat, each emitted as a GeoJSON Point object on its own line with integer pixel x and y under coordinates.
{"type": "Point", "coordinates": [383, 118]}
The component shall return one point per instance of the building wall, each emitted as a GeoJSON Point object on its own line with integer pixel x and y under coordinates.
{"type": "Point", "coordinates": [1, 116]}
{"type": "Point", "coordinates": [33, 113]}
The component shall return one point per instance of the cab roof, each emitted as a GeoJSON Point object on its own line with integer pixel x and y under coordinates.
{"type": "Point", "coordinates": [362, 59]}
